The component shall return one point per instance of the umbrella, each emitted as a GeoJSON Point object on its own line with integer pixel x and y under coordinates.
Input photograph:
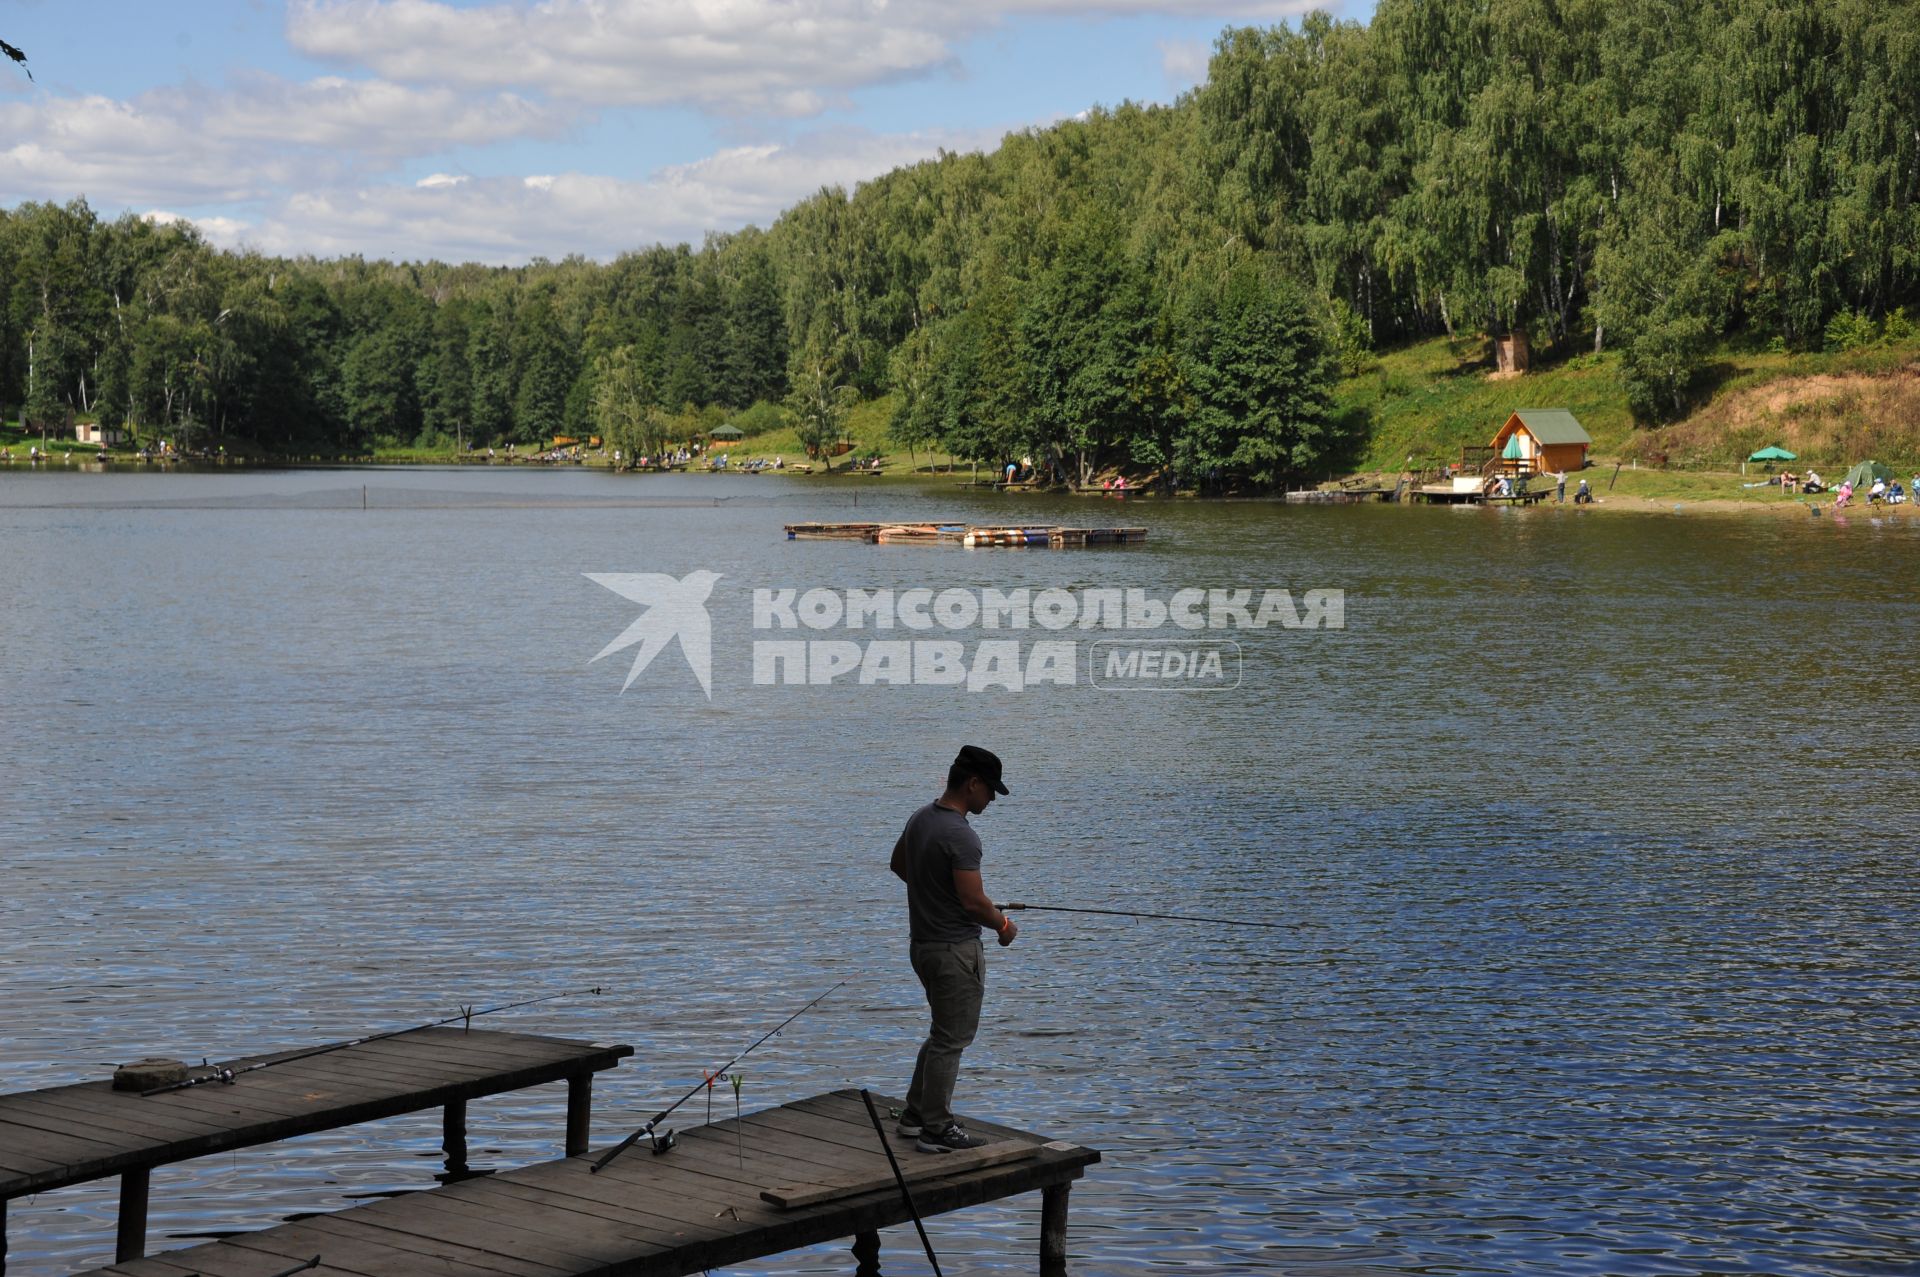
{"type": "Point", "coordinates": [1773, 452]}
{"type": "Point", "coordinates": [1513, 450]}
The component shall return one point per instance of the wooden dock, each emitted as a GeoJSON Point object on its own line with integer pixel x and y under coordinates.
{"type": "Point", "coordinates": [804, 1173]}
{"type": "Point", "coordinates": [974, 535]}
{"type": "Point", "coordinates": [831, 531]}
{"type": "Point", "coordinates": [72, 1134]}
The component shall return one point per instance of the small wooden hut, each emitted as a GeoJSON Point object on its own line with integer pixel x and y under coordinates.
{"type": "Point", "coordinates": [1540, 440]}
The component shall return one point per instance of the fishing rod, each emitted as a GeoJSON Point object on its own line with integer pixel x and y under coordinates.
{"type": "Point", "coordinates": [873, 1114]}
{"type": "Point", "coordinates": [665, 1141]}
{"type": "Point", "coordinates": [223, 1073]}
{"type": "Point", "coordinates": [1127, 913]}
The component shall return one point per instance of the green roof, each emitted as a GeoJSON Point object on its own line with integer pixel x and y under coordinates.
{"type": "Point", "coordinates": [1553, 425]}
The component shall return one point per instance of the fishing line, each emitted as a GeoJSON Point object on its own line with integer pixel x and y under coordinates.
{"type": "Point", "coordinates": [229, 1075]}
{"type": "Point", "coordinates": [665, 1141]}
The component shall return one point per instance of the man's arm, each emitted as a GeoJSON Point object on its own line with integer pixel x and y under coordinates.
{"type": "Point", "coordinates": [979, 906]}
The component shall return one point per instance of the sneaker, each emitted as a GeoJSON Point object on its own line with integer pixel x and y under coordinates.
{"type": "Point", "coordinates": [951, 1139]}
{"type": "Point", "coordinates": [908, 1126]}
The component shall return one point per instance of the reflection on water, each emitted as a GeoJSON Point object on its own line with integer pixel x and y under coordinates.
{"type": "Point", "coordinates": [1591, 835]}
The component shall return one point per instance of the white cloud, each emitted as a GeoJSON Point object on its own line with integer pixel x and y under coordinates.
{"type": "Point", "coordinates": [507, 220]}
{"type": "Point", "coordinates": [190, 145]}
{"type": "Point", "coordinates": [220, 230]}
{"type": "Point", "coordinates": [732, 57]}
{"type": "Point", "coordinates": [1184, 62]}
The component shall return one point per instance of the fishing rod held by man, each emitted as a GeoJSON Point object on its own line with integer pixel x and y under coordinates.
{"type": "Point", "coordinates": [1128, 913]}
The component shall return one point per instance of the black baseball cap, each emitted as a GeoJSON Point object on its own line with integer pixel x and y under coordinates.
{"type": "Point", "coordinates": [982, 763]}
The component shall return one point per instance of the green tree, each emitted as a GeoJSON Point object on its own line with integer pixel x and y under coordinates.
{"type": "Point", "coordinates": [1259, 408]}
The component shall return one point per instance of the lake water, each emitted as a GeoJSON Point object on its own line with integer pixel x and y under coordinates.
{"type": "Point", "coordinates": [1592, 836]}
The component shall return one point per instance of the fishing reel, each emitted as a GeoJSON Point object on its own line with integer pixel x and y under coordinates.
{"type": "Point", "coordinates": [663, 1142]}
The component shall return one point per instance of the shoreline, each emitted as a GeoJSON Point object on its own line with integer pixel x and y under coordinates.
{"type": "Point", "coordinates": [1644, 491]}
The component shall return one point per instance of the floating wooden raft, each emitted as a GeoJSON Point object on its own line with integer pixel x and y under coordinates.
{"type": "Point", "coordinates": [1054, 537]}
{"type": "Point", "coordinates": [904, 533]}
{"type": "Point", "coordinates": [831, 531]}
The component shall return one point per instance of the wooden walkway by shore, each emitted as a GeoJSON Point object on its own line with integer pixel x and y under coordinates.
{"type": "Point", "coordinates": [1039, 536]}
{"type": "Point", "coordinates": [807, 1172]}
{"type": "Point", "coordinates": [72, 1134]}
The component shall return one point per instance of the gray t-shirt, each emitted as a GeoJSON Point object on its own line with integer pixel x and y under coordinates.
{"type": "Point", "coordinates": [936, 841]}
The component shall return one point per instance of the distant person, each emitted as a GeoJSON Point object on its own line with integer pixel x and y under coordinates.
{"type": "Point", "coordinates": [1895, 494]}
{"type": "Point", "coordinates": [938, 857]}
{"type": "Point", "coordinates": [1842, 495]}
{"type": "Point", "coordinates": [1012, 468]}
{"type": "Point", "coordinates": [1877, 492]}
{"type": "Point", "coordinates": [1559, 485]}
{"type": "Point", "coordinates": [1583, 495]}
{"type": "Point", "coordinates": [1813, 483]}
{"type": "Point", "coordinates": [1787, 481]}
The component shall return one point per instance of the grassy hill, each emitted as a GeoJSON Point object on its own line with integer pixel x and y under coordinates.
{"type": "Point", "coordinates": [1427, 400]}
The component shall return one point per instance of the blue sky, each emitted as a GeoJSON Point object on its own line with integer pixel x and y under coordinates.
{"type": "Point", "coordinates": [501, 130]}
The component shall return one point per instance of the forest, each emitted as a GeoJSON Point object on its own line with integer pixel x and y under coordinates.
{"type": "Point", "coordinates": [1168, 288]}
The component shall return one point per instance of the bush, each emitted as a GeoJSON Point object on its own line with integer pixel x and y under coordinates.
{"type": "Point", "coordinates": [762, 418]}
{"type": "Point", "coordinates": [1851, 330]}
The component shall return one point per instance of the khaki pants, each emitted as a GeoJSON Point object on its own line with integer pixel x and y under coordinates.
{"type": "Point", "coordinates": [955, 978]}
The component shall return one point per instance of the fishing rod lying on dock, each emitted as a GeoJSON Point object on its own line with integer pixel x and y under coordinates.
{"type": "Point", "coordinates": [223, 1073]}
{"type": "Point", "coordinates": [1127, 913]}
{"type": "Point", "coordinates": [665, 1141]}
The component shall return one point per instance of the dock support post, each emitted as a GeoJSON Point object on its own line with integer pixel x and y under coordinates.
{"type": "Point", "coordinates": [453, 1139]}
{"type": "Point", "coordinates": [130, 1241]}
{"type": "Point", "coordinates": [579, 1113]}
{"type": "Point", "coordinates": [1053, 1230]}
{"type": "Point", "coordinates": [866, 1254]}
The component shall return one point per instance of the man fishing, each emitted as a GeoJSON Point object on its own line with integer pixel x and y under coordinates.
{"type": "Point", "coordinates": [938, 857]}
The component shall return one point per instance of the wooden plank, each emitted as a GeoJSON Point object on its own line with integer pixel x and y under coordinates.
{"type": "Point", "coordinates": [956, 1163]}
{"type": "Point", "coordinates": [543, 1230]}
{"type": "Point", "coordinates": [230, 1104]}
{"type": "Point", "coordinates": [714, 1151]}
{"type": "Point", "coordinates": [847, 1106]}
{"type": "Point", "coordinates": [829, 1131]}
{"type": "Point", "coordinates": [783, 1146]}
{"type": "Point", "coordinates": [350, 1233]}
{"type": "Point", "coordinates": [132, 1116]}
{"type": "Point", "coordinates": [557, 1227]}
{"type": "Point", "coordinates": [525, 1044]}
{"type": "Point", "coordinates": [495, 1236]}
{"type": "Point", "coordinates": [367, 1252]}
{"type": "Point", "coordinates": [686, 1180]}
{"type": "Point", "coordinates": [375, 1069]}
{"type": "Point", "coordinates": [607, 1207]}
{"type": "Point", "coordinates": [54, 1146]}
{"type": "Point", "coordinates": [107, 1127]}
{"type": "Point", "coordinates": [151, 1266]}
{"type": "Point", "coordinates": [408, 1053]}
